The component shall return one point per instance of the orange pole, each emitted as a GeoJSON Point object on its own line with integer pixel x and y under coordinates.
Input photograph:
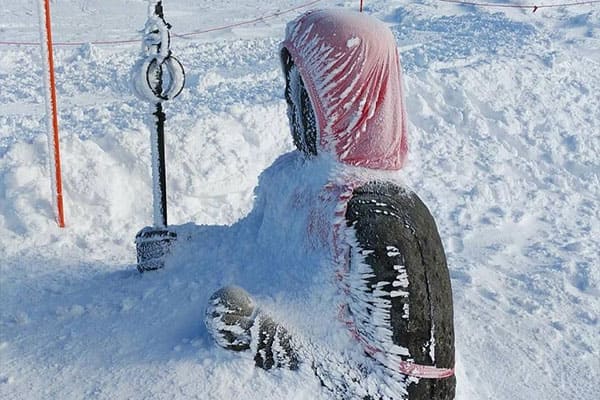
{"type": "Point", "coordinates": [55, 138]}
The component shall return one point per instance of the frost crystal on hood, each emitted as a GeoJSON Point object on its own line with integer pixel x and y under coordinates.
{"type": "Point", "coordinates": [354, 82]}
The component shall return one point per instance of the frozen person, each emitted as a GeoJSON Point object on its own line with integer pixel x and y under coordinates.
{"type": "Point", "coordinates": [391, 334]}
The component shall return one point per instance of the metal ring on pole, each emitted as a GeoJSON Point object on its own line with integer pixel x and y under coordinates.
{"type": "Point", "coordinates": [158, 76]}
{"type": "Point", "coordinates": [172, 86]}
{"type": "Point", "coordinates": [171, 73]}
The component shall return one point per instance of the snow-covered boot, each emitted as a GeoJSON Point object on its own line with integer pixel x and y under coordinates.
{"type": "Point", "coordinates": [274, 347]}
{"type": "Point", "coordinates": [229, 316]}
{"type": "Point", "coordinates": [236, 324]}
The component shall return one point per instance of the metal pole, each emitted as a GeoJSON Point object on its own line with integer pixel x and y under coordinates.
{"type": "Point", "coordinates": [158, 77]}
{"type": "Point", "coordinates": [159, 169]}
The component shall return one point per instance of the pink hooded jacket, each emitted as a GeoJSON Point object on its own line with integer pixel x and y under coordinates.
{"type": "Point", "coordinates": [350, 66]}
{"type": "Point", "coordinates": [351, 70]}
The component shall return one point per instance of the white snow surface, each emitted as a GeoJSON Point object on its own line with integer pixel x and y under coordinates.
{"type": "Point", "coordinates": [504, 118]}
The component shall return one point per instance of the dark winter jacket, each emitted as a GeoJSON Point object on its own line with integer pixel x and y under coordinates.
{"type": "Point", "coordinates": [399, 241]}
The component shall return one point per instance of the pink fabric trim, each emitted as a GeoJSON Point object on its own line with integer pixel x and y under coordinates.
{"type": "Point", "coordinates": [424, 371]}
{"type": "Point", "coordinates": [403, 367]}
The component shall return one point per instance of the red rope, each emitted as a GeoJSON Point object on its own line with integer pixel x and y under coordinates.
{"type": "Point", "coordinates": [184, 35]}
{"type": "Point", "coordinates": [528, 6]}
{"type": "Point", "coordinates": [56, 44]}
{"type": "Point", "coordinates": [249, 22]}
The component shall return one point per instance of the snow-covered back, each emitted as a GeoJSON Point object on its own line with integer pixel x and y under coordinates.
{"type": "Point", "coordinates": [504, 126]}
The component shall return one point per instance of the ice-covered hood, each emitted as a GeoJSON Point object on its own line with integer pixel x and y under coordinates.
{"type": "Point", "coordinates": [349, 64]}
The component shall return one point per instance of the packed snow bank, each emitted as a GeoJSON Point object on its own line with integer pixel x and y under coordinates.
{"type": "Point", "coordinates": [504, 132]}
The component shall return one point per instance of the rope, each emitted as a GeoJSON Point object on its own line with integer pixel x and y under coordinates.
{"type": "Point", "coordinates": [184, 35]}
{"type": "Point", "coordinates": [526, 6]}
{"type": "Point", "coordinates": [249, 22]}
{"type": "Point", "coordinates": [287, 11]}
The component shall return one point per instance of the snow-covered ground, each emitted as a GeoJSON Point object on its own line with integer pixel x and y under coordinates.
{"type": "Point", "coordinates": [504, 110]}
